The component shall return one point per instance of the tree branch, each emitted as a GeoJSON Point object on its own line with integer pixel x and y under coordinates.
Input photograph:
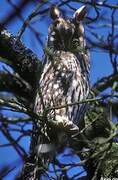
{"type": "Point", "coordinates": [21, 59]}
{"type": "Point", "coordinates": [105, 83]}
{"type": "Point", "coordinates": [13, 83]}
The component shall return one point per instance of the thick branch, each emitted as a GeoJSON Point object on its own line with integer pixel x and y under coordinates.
{"type": "Point", "coordinates": [13, 83]}
{"type": "Point", "coordinates": [20, 58]}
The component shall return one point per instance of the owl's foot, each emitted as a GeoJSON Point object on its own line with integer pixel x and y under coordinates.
{"type": "Point", "coordinates": [71, 128]}
{"type": "Point", "coordinates": [65, 125]}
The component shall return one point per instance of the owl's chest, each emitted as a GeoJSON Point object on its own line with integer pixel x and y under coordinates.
{"type": "Point", "coordinates": [62, 80]}
{"type": "Point", "coordinates": [63, 63]}
{"type": "Point", "coordinates": [60, 72]}
{"type": "Point", "coordinates": [62, 83]}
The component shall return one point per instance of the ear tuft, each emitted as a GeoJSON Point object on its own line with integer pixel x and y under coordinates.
{"type": "Point", "coordinates": [54, 12]}
{"type": "Point", "coordinates": [80, 13]}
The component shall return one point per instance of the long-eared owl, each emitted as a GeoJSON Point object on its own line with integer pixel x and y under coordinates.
{"type": "Point", "coordinates": [64, 80]}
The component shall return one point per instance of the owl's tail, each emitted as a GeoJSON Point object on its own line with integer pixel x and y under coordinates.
{"type": "Point", "coordinates": [46, 148]}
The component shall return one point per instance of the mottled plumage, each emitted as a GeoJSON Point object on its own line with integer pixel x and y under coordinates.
{"type": "Point", "coordinates": [64, 80]}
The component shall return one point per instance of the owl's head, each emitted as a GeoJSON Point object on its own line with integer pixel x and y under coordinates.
{"type": "Point", "coordinates": [66, 34]}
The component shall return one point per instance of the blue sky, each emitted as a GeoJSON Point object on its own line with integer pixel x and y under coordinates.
{"type": "Point", "coordinates": [100, 64]}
